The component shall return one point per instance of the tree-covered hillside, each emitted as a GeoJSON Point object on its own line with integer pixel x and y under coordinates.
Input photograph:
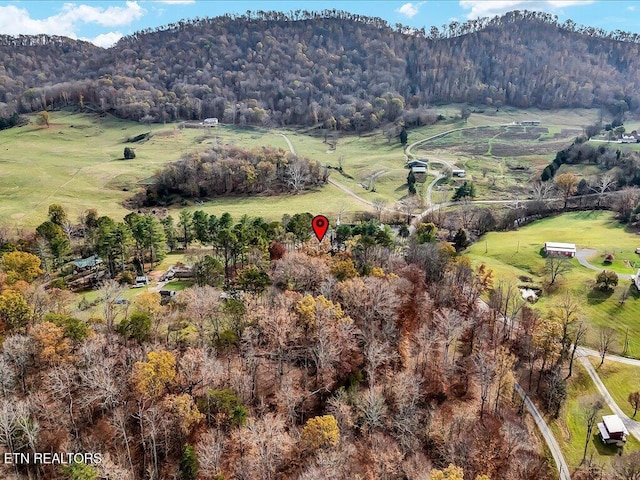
{"type": "Point", "coordinates": [334, 68]}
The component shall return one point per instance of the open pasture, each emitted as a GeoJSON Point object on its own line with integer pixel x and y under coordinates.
{"type": "Point", "coordinates": [516, 256]}
{"type": "Point", "coordinates": [78, 163]}
{"type": "Point", "coordinates": [502, 160]}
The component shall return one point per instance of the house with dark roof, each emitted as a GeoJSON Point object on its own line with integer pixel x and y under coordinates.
{"type": "Point", "coordinates": [85, 264]}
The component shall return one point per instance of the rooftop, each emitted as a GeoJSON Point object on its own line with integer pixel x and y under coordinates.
{"type": "Point", "coordinates": [91, 261]}
{"type": "Point", "coordinates": [560, 246]}
{"type": "Point", "coordinates": [614, 424]}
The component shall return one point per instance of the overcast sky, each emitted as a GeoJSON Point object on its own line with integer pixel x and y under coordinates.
{"type": "Point", "coordinates": [104, 22]}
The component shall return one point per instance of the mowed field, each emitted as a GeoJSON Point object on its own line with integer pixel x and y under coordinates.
{"type": "Point", "coordinates": [570, 428]}
{"type": "Point", "coordinates": [621, 380]}
{"type": "Point", "coordinates": [517, 255]}
{"type": "Point", "coordinates": [78, 163]}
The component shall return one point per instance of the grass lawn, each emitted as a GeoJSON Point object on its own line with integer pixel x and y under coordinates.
{"type": "Point", "coordinates": [570, 428]}
{"type": "Point", "coordinates": [517, 254]}
{"type": "Point", "coordinates": [178, 285]}
{"type": "Point", "coordinates": [77, 162]}
{"type": "Point", "coordinates": [620, 379]}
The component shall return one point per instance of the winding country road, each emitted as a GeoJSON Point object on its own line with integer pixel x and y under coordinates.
{"type": "Point", "coordinates": [583, 353]}
{"type": "Point", "coordinates": [552, 443]}
{"type": "Point", "coordinates": [330, 180]}
{"type": "Point", "coordinates": [583, 254]}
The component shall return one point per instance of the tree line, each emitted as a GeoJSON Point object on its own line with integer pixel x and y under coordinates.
{"type": "Point", "coordinates": [343, 71]}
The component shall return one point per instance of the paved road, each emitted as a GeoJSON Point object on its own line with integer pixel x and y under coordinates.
{"type": "Point", "coordinates": [561, 464]}
{"type": "Point", "coordinates": [614, 358]}
{"type": "Point", "coordinates": [583, 254]}
{"type": "Point", "coordinates": [632, 425]}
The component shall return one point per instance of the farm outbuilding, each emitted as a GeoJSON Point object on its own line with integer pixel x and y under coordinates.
{"type": "Point", "coordinates": [557, 248]}
{"type": "Point", "coordinates": [612, 430]}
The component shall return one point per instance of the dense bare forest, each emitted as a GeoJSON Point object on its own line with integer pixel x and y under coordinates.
{"type": "Point", "coordinates": [334, 68]}
{"type": "Point", "coordinates": [360, 365]}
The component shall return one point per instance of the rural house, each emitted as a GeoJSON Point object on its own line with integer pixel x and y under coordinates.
{"type": "Point", "coordinates": [557, 248]}
{"type": "Point", "coordinates": [612, 430]}
{"type": "Point", "coordinates": [423, 162]}
{"type": "Point", "coordinates": [86, 264]}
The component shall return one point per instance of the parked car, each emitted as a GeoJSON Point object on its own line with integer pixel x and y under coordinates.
{"type": "Point", "coordinates": [168, 276]}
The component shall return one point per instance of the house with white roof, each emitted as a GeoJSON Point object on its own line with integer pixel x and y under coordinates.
{"type": "Point", "coordinates": [612, 430]}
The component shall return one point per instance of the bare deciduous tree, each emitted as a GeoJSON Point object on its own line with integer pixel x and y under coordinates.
{"type": "Point", "coordinates": [627, 467]}
{"type": "Point", "coordinates": [379, 205]}
{"type": "Point", "coordinates": [7, 377]}
{"type": "Point", "coordinates": [540, 191]}
{"type": "Point", "coordinates": [203, 311]}
{"type": "Point", "coordinates": [110, 292]}
{"type": "Point", "coordinates": [376, 354]}
{"type": "Point", "coordinates": [590, 407]}
{"type": "Point", "coordinates": [210, 448]}
{"type": "Point", "coordinates": [450, 324]}
{"type": "Point", "coordinates": [579, 332]}
{"type": "Point", "coordinates": [408, 206]}
{"type": "Point", "coordinates": [373, 409]}
{"type": "Point", "coordinates": [267, 441]}
{"type": "Point", "coordinates": [18, 350]}
{"type": "Point", "coordinates": [296, 176]}
{"type": "Point", "coordinates": [556, 266]}
{"type": "Point", "coordinates": [486, 372]}
{"type": "Point", "coordinates": [605, 182]}
{"type": "Point", "coordinates": [607, 339]}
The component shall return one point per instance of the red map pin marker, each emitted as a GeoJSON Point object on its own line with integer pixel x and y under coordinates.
{"type": "Point", "coordinates": [320, 225]}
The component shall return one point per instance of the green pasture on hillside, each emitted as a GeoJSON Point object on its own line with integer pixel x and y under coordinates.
{"type": "Point", "coordinates": [570, 428]}
{"type": "Point", "coordinates": [78, 163]}
{"type": "Point", "coordinates": [516, 257]}
{"type": "Point", "coordinates": [620, 379]}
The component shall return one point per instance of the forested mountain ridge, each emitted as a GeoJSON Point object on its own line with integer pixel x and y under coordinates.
{"type": "Point", "coordinates": [346, 71]}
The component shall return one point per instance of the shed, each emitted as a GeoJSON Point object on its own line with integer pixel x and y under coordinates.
{"type": "Point", "coordinates": [612, 430]}
{"type": "Point", "coordinates": [458, 173]}
{"type": "Point", "coordinates": [557, 248]}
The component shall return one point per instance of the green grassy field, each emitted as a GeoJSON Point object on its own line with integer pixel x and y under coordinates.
{"type": "Point", "coordinates": [620, 379]}
{"type": "Point", "coordinates": [178, 285]}
{"type": "Point", "coordinates": [503, 159]}
{"type": "Point", "coordinates": [517, 254]}
{"type": "Point", "coordinates": [570, 428]}
{"type": "Point", "coordinates": [78, 163]}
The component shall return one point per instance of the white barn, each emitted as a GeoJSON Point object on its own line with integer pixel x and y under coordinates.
{"type": "Point", "coordinates": [557, 248]}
